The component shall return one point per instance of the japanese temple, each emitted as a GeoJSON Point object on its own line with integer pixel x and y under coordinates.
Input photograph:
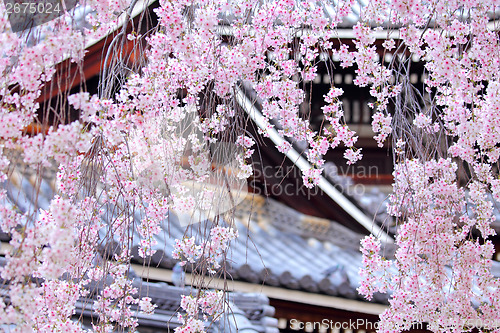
{"type": "Point", "coordinates": [296, 261]}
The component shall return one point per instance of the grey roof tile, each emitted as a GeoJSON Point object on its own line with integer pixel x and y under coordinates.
{"type": "Point", "coordinates": [278, 246]}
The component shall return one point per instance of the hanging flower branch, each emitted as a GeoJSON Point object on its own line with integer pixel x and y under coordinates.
{"type": "Point", "coordinates": [130, 160]}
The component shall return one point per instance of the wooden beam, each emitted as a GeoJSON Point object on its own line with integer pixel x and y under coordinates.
{"type": "Point", "coordinates": [159, 274]}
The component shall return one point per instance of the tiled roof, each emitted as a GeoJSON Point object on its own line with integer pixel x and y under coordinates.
{"type": "Point", "coordinates": [277, 245]}
{"type": "Point", "coordinates": [244, 311]}
{"type": "Point", "coordinates": [281, 247]}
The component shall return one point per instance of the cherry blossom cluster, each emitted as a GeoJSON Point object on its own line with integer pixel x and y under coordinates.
{"type": "Point", "coordinates": [210, 251]}
{"type": "Point", "coordinates": [245, 169]}
{"type": "Point", "coordinates": [216, 247]}
{"type": "Point", "coordinates": [440, 273]}
{"type": "Point", "coordinates": [209, 303]}
{"type": "Point", "coordinates": [381, 124]}
{"type": "Point", "coordinates": [442, 265]}
{"type": "Point", "coordinates": [373, 270]}
{"type": "Point", "coordinates": [57, 246]}
{"type": "Point", "coordinates": [114, 303]}
{"type": "Point", "coordinates": [186, 250]}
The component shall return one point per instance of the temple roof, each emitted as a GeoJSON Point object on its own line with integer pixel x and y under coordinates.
{"type": "Point", "coordinates": [277, 246]}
